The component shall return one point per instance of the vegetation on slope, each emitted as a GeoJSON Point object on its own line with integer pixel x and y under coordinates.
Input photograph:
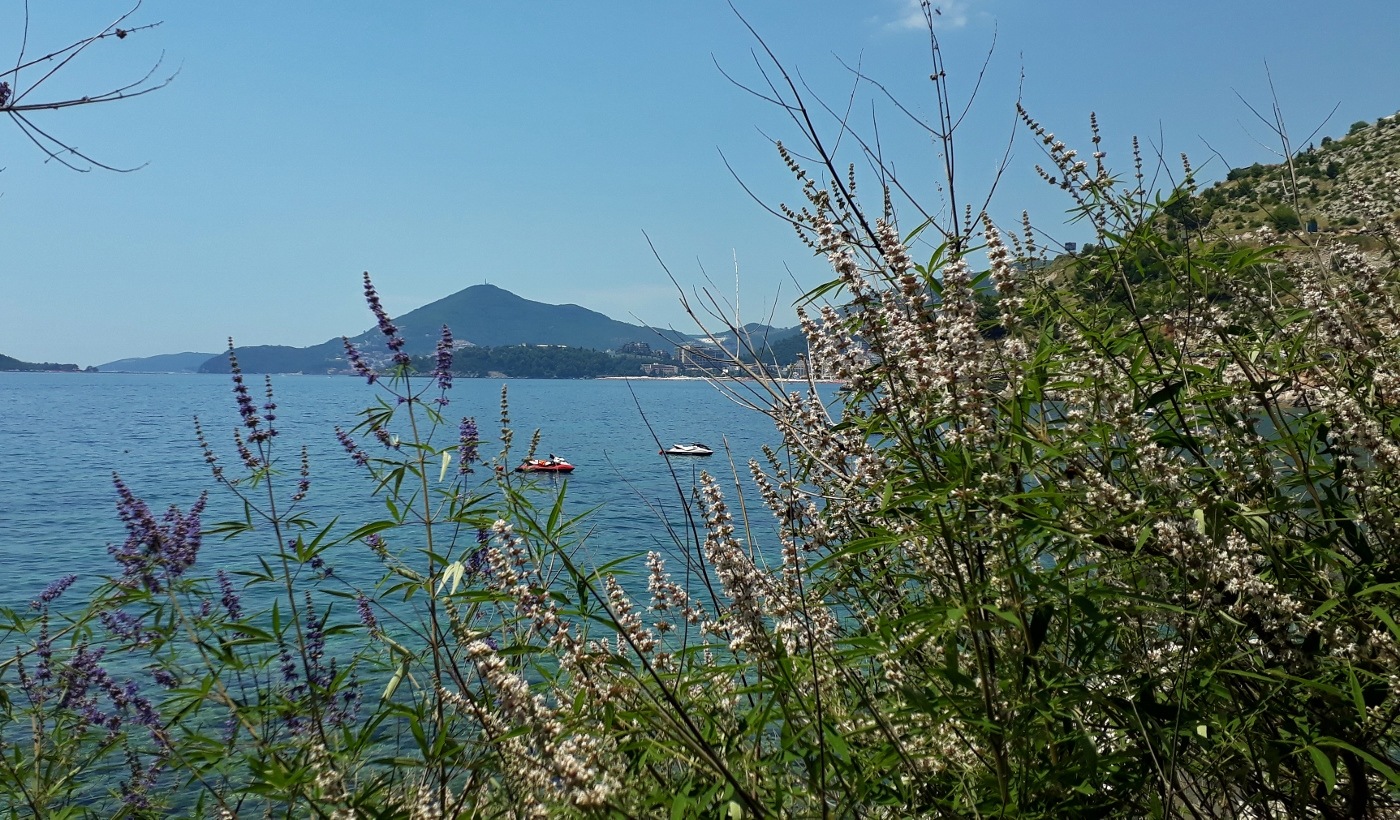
{"type": "Point", "coordinates": [10, 363]}
{"type": "Point", "coordinates": [1311, 189]}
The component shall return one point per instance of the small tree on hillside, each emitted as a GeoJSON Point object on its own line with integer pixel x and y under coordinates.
{"type": "Point", "coordinates": [1284, 218]}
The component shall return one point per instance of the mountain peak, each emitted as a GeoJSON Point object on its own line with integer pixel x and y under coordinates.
{"type": "Point", "coordinates": [491, 316]}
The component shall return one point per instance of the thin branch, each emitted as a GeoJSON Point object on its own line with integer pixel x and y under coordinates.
{"type": "Point", "coordinates": [64, 147]}
{"type": "Point", "coordinates": [23, 45]}
{"type": "Point", "coordinates": [122, 93]}
{"type": "Point", "coordinates": [13, 99]}
{"type": "Point", "coordinates": [69, 53]}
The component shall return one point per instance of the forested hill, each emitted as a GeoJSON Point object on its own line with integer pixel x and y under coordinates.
{"type": "Point", "coordinates": [488, 316]}
{"type": "Point", "coordinates": [11, 363]}
{"type": "Point", "coordinates": [496, 332]}
{"type": "Point", "coordinates": [480, 316]}
{"type": "Point", "coordinates": [165, 363]}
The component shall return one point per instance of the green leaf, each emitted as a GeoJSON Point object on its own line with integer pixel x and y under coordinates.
{"type": "Point", "coordinates": [370, 529]}
{"type": "Point", "coordinates": [229, 529]}
{"type": "Point", "coordinates": [1384, 769]}
{"type": "Point", "coordinates": [680, 808]}
{"type": "Point", "coordinates": [1324, 767]}
{"type": "Point", "coordinates": [249, 630]}
{"type": "Point", "coordinates": [453, 572]}
{"type": "Point", "coordinates": [395, 681]}
{"type": "Point", "coordinates": [1389, 621]}
{"type": "Point", "coordinates": [837, 744]}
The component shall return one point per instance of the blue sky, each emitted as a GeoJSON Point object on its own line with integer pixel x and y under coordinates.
{"type": "Point", "coordinates": [536, 145]}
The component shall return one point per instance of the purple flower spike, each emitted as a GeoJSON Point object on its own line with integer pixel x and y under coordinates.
{"type": "Point", "coordinates": [156, 551]}
{"type": "Point", "coordinates": [125, 626]}
{"type": "Point", "coordinates": [478, 563]}
{"type": "Point", "coordinates": [315, 632]}
{"type": "Point", "coordinates": [246, 408]}
{"type": "Point", "coordinates": [358, 362]}
{"type": "Point", "coordinates": [288, 666]}
{"type": "Point", "coordinates": [367, 614]}
{"type": "Point", "coordinates": [304, 481]}
{"type": "Point", "coordinates": [443, 369]}
{"type": "Point", "coordinates": [136, 791]}
{"type": "Point", "coordinates": [230, 597]}
{"type": "Point", "coordinates": [249, 460]}
{"type": "Point", "coordinates": [387, 327]}
{"type": "Point", "coordinates": [209, 457]}
{"type": "Point", "coordinates": [269, 406]}
{"type": "Point", "coordinates": [52, 591]}
{"type": "Point", "coordinates": [356, 454]}
{"type": "Point", "coordinates": [468, 441]}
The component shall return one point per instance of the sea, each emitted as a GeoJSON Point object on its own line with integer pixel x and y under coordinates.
{"type": "Point", "coordinates": [63, 436]}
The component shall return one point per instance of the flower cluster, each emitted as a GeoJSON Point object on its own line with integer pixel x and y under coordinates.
{"type": "Point", "coordinates": [156, 551]}
{"type": "Point", "coordinates": [468, 445]}
{"type": "Point", "coordinates": [52, 591]}
{"type": "Point", "coordinates": [357, 361]}
{"type": "Point", "coordinates": [386, 325]}
{"type": "Point", "coordinates": [442, 362]}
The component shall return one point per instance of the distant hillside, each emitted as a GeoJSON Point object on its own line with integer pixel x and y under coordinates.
{"type": "Point", "coordinates": [773, 345]}
{"type": "Point", "coordinates": [1257, 195]}
{"type": "Point", "coordinates": [323, 358]}
{"type": "Point", "coordinates": [483, 316]}
{"type": "Point", "coordinates": [11, 363]}
{"type": "Point", "coordinates": [784, 347]}
{"type": "Point", "coordinates": [488, 316]}
{"type": "Point", "coordinates": [164, 363]}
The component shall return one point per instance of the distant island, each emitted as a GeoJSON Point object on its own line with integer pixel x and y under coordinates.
{"type": "Point", "coordinates": [164, 363]}
{"type": "Point", "coordinates": [12, 364]}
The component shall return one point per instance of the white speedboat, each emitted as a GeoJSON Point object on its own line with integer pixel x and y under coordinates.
{"type": "Point", "coordinates": [694, 449]}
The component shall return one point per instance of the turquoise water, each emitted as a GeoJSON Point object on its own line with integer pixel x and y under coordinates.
{"type": "Point", "coordinates": [63, 435]}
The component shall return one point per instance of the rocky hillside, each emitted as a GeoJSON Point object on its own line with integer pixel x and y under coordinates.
{"type": "Point", "coordinates": [1317, 192]}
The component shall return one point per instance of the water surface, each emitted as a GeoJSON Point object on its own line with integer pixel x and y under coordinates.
{"type": "Point", "coordinates": [62, 436]}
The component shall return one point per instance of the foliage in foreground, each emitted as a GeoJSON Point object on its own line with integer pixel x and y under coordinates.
{"type": "Point", "coordinates": [1051, 555]}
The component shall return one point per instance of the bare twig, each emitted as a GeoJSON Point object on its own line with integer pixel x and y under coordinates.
{"type": "Point", "coordinates": [20, 102]}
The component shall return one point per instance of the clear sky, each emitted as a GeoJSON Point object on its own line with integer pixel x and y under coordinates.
{"type": "Point", "coordinates": [535, 145]}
